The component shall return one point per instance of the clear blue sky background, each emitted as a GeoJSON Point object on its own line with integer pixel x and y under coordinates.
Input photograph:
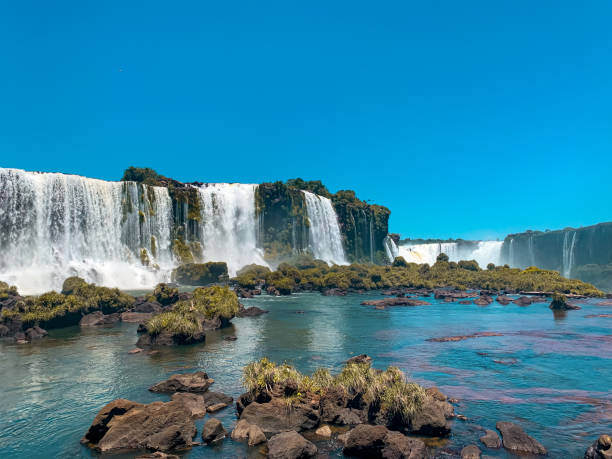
{"type": "Point", "coordinates": [466, 118]}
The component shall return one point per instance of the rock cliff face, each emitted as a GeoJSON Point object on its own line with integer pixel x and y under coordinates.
{"type": "Point", "coordinates": [583, 253]}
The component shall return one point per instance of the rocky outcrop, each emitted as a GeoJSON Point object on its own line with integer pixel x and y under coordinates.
{"type": "Point", "coordinates": [135, 317]}
{"type": "Point", "coordinates": [253, 311]}
{"type": "Point", "coordinates": [470, 452]}
{"type": "Point", "coordinates": [201, 273]}
{"type": "Point", "coordinates": [194, 403]}
{"type": "Point", "coordinates": [213, 431]}
{"type": "Point", "coordinates": [35, 333]}
{"type": "Point", "coordinates": [290, 445]}
{"type": "Point", "coordinates": [559, 303]}
{"type": "Point", "coordinates": [503, 300]}
{"type": "Point", "coordinates": [275, 416]}
{"type": "Point", "coordinates": [483, 300]}
{"type": "Point", "coordinates": [386, 302]}
{"type": "Point", "coordinates": [515, 439]}
{"type": "Point", "coordinates": [125, 425]}
{"type": "Point", "coordinates": [490, 439]}
{"type": "Point", "coordinates": [370, 441]}
{"type": "Point", "coordinates": [98, 318]}
{"type": "Point", "coordinates": [188, 382]}
{"type": "Point", "coordinates": [244, 431]}
{"type": "Point", "coordinates": [168, 339]}
{"type": "Point", "coordinates": [600, 449]}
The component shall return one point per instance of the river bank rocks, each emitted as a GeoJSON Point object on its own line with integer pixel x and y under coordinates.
{"type": "Point", "coordinates": [386, 302]}
{"type": "Point", "coordinates": [559, 303]}
{"type": "Point", "coordinates": [290, 445]}
{"type": "Point", "coordinates": [253, 311]}
{"type": "Point", "coordinates": [490, 439]}
{"type": "Point", "coordinates": [187, 382]}
{"type": "Point", "coordinates": [250, 433]}
{"type": "Point", "coordinates": [98, 318]}
{"type": "Point", "coordinates": [213, 431]}
{"type": "Point", "coordinates": [370, 441]}
{"type": "Point", "coordinates": [515, 440]}
{"type": "Point", "coordinates": [600, 449]}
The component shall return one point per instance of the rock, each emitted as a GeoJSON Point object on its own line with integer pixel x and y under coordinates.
{"type": "Point", "coordinates": [216, 407]}
{"type": "Point", "coordinates": [230, 338]}
{"type": "Point", "coordinates": [334, 292]}
{"type": "Point", "coordinates": [290, 445]}
{"type": "Point", "coordinates": [395, 302]}
{"type": "Point", "coordinates": [213, 431]}
{"type": "Point", "coordinates": [431, 419]}
{"type": "Point", "coordinates": [335, 410]}
{"type": "Point", "coordinates": [323, 431]}
{"type": "Point", "coordinates": [249, 433]}
{"type": "Point", "coordinates": [158, 455]}
{"type": "Point", "coordinates": [126, 425]}
{"type": "Point", "coordinates": [275, 416]}
{"type": "Point", "coordinates": [135, 317]}
{"type": "Point", "coordinates": [465, 302]}
{"type": "Point", "coordinates": [600, 449]}
{"type": "Point", "coordinates": [216, 398]}
{"type": "Point", "coordinates": [378, 442]}
{"type": "Point", "coordinates": [343, 438]}
{"type": "Point", "coordinates": [559, 303]}
{"type": "Point", "coordinates": [503, 300]}
{"type": "Point", "coordinates": [4, 331]}
{"type": "Point", "coordinates": [483, 300]}
{"type": "Point", "coordinates": [167, 339]}
{"type": "Point", "coordinates": [470, 452]}
{"type": "Point", "coordinates": [135, 351]}
{"type": "Point", "coordinates": [516, 440]}
{"type": "Point", "coordinates": [446, 339]}
{"type": "Point", "coordinates": [435, 393]}
{"type": "Point", "coordinates": [201, 273]}
{"type": "Point", "coordinates": [253, 311]}
{"type": "Point", "coordinates": [187, 382]}
{"type": "Point", "coordinates": [147, 307]}
{"type": "Point", "coordinates": [362, 358]}
{"type": "Point", "coordinates": [194, 403]}
{"type": "Point", "coordinates": [97, 318]}
{"type": "Point", "coordinates": [35, 333]}
{"type": "Point", "coordinates": [491, 439]}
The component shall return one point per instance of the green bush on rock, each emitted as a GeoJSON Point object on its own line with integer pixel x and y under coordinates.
{"type": "Point", "coordinates": [200, 273]}
{"type": "Point", "coordinates": [164, 294]}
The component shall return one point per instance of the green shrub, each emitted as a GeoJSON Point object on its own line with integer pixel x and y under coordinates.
{"type": "Point", "coordinates": [399, 262]}
{"type": "Point", "coordinates": [164, 294]}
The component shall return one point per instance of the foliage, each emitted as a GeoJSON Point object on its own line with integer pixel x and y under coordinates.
{"type": "Point", "coordinates": [164, 294]}
{"type": "Point", "coordinates": [399, 262]}
{"type": "Point", "coordinates": [200, 273]}
{"type": "Point", "coordinates": [182, 252]}
{"type": "Point", "coordinates": [314, 186]}
{"type": "Point", "coordinates": [174, 323]}
{"type": "Point", "coordinates": [471, 265]}
{"type": "Point", "coordinates": [141, 175]}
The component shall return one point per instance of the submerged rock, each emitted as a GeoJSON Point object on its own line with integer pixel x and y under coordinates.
{"type": "Point", "coordinates": [97, 318]}
{"type": "Point", "coordinates": [34, 333]}
{"type": "Point", "coordinates": [386, 302]}
{"type": "Point", "coordinates": [515, 439]}
{"type": "Point", "coordinates": [186, 382]}
{"type": "Point", "coordinates": [490, 439]}
{"type": "Point", "coordinates": [378, 442]}
{"type": "Point", "coordinates": [244, 431]}
{"type": "Point", "coordinates": [158, 455]}
{"type": "Point", "coordinates": [290, 445]}
{"type": "Point", "coordinates": [253, 311]}
{"type": "Point", "coordinates": [600, 449]}
{"type": "Point", "coordinates": [213, 431]}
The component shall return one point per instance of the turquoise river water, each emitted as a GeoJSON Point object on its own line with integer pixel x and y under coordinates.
{"type": "Point", "coordinates": [552, 375]}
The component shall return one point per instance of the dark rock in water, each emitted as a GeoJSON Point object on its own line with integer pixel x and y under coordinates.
{"type": "Point", "coordinates": [395, 302]}
{"type": "Point", "coordinates": [360, 359]}
{"type": "Point", "coordinates": [503, 300]}
{"type": "Point", "coordinates": [435, 393]}
{"type": "Point", "coordinates": [559, 303]}
{"type": "Point", "coordinates": [147, 306]}
{"type": "Point", "coordinates": [158, 455]}
{"type": "Point", "coordinates": [4, 331]}
{"type": "Point", "coordinates": [126, 425]}
{"type": "Point", "coordinates": [35, 333]}
{"type": "Point", "coordinates": [135, 317]}
{"type": "Point", "coordinates": [97, 318]}
{"type": "Point", "coordinates": [483, 300]}
{"type": "Point", "coordinates": [378, 442]}
{"type": "Point", "coordinates": [215, 398]}
{"type": "Point", "coordinates": [454, 294]}
{"type": "Point", "coordinates": [213, 431]}
{"type": "Point", "coordinates": [194, 403]}
{"type": "Point", "coordinates": [470, 452]}
{"type": "Point", "coordinates": [272, 291]}
{"type": "Point", "coordinates": [334, 292]}
{"type": "Point", "coordinates": [253, 311]}
{"type": "Point", "coordinates": [447, 339]}
{"type": "Point", "coordinates": [465, 302]}
{"type": "Point", "coordinates": [491, 439]}
{"type": "Point", "coordinates": [431, 419]}
{"type": "Point", "coordinates": [290, 445]}
{"type": "Point", "coordinates": [527, 300]}
{"type": "Point", "coordinates": [274, 417]}
{"type": "Point", "coordinates": [600, 449]}
{"type": "Point", "coordinates": [186, 382]}
{"type": "Point", "coordinates": [201, 273]}
{"type": "Point", "coordinates": [230, 338]}
{"type": "Point", "coordinates": [515, 439]}
{"type": "Point", "coordinates": [249, 433]}
{"type": "Point", "coordinates": [168, 339]}
{"type": "Point", "coordinates": [334, 409]}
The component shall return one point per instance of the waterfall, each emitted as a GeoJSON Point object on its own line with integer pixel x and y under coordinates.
{"type": "Point", "coordinates": [229, 228]}
{"type": "Point", "coordinates": [53, 226]}
{"type": "Point", "coordinates": [391, 248]}
{"type": "Point", "coordinates": [568, 253]}
{"type": "Point", "coordinates": [531, 251]}
{"type": "Point", "coordinates": [325, 240]}
{"type": "Point", "coordinates": [371, 228]}
{"type": "Point", "coordinates": [484, 252]}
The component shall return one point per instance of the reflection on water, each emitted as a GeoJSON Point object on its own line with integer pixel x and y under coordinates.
{"type": "Point", "coordinates": [551, 376]}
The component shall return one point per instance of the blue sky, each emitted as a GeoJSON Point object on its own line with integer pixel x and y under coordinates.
{"type": "Point", "coordinates": [467, 119]}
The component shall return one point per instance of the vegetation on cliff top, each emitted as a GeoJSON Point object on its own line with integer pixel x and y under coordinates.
{"type": "Point", "coordinates": [463, 275]}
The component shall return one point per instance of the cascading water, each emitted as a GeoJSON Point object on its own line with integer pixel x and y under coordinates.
{"type": "Point", "coordinates": [568, 253]}
{"type": "Point", "coordinates": [391, 248]}
{"type": "Point", "coordinates": [484, 252]}
{"type": "Point", "coordinates": [53, 226]}
{"type": "Point", "coordinates": [487, 252]}
{"type": "Point", "coordinates": [325, 240]}
{"type": "Point", "coordinates": [229, 227]}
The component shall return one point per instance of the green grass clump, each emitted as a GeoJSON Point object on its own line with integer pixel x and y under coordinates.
{"type": "Point", "coordinates": [164, 294]}
{"type": "Point", "coordinates": [174, 323]}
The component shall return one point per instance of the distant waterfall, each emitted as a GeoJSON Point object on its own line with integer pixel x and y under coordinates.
{"type": "Point", "coordinates": [325, 240]}
{"type": "Point", "coordinates": [229, 228]}
{"type": "Point", "coordinates": [484, 252]}
{"type": "Point", "coordinates": [568, 253]}
{"type": "Point", "coordinates": [391, 248]}
{"type": "Point", "coordinates": [53, 226]}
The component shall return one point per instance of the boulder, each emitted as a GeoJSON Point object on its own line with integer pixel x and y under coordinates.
{"type": "Point", "coordinates": [275, 416]}
{"type": "Point", "coordinates": [158, 455]}
{"type": "Point", "coordinates": [186, 382]}
{"type": "Point", "coordinates": [4, 331]}
{"type": "Point", "coordinates": [253, 311]}
{"type": "Point", "coordinates": [290, 445]}
{"type": "Point", "coordinates": [431, 419]}
{"type": "Point", "coordinates": [126, 425]}
{"type": "Point", "coordinates": [250, 433]}
{"type": "Point", "coordinates": [97, 318]}
{"type": "Point", "coordinates": [335, 410]}
{"type": "Point", "coordinates": [490, 439]}
{"type": "Point", "coordinates": [378, 442]}
{"type": "Point", "coordinates": [213, 431]}
{"type": "Point", "coordinates": [135, 317]}
{"type": "Point", "coordinates": [147, 307]}
{"type": "Point", "coordinates": [35, 333]}
{"type": "Point", "coordinates": [483, 300]}
{"type": "Point", "coordinates": [559, 303]}
{"type": "Point", "coordinates": [168, 339]}
{"type": "Point", "coordinates": [386, 302]}
{"type": "Point", "coordinates": [470, 452]}
{"type": "Point", "coordinates": [194, 403]}
{"type": "Point", "coordinates": [215, 398]}
{"type": "Point", "coordinates": [216, 407]}
{"type": "Point", "coordinates": [515, 439]}
{"type": "Point", "coordinates": [324, 431]}
{"type": "Point", "coordinates": [503, 300]}
{"type": "Point", "coordinates": [600, 449]}
{"type": "Point", "coordinates": [360, 359]}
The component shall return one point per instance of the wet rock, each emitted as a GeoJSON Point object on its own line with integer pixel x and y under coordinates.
{"type": "Point", "coordinates": [378, 442]}
{"type": "Point", "coordinates": [34, 333]}
{"type": "Point", "coordinates": [167, 339]}
{"type": "Point", "coordinates": [247, 432]}
{"type": "Point", "coordinates": [386, 302]}
{"type": "Point", "coordinates": [194, 403]}
{"type": "Point", "coordinates": [213, 431]}
{"type": "Point", "coordinates": [147, 307]}
{"type": "Point", "coordinates": [324, 431]}
{"type": "Point", "coordinates": [490, 439]}
{"type": "Point", "coordinates": [186, 382]}
{"type": "Point", "coordinates": [125, 425]}
{"type": "Point", "coordinates": [135, 317]}
{"type": "Point", "coordinates": [435, 393]}
{"type": "Point", "coordinates": [470, 452]}
{"type": "Point", "coordinates": [360, 359]}
{"type": "Point", "coordinates": [335, 410]}
{"type": "Point", "coordinates": [465, 302]}
{"type": "Point", "coordinates": [253, 311]}
{"type": "Point", "coordinates": [230, 338]}
{"type": "Point", "coordinates": [334, 292]}
{"type": "Point", "coordinates": [431, 419]}
{"type": "Point", "coordinates": [97, 318]}
{"type": "Point", "coordinates": [600, 449]}
{"type": "Point", "coordinates": [503, 300]}
{"type": "Point", "coordinates": [515, 439]}
{"type": "Point", "coordinates": [215, 398]}
{"type": "Point", "coordinates": [290, 445]}
{"type": "Point", "coordinates": [483, 300]}
{"type": "Point", "coordinates": [158, 455]}
{"type": "Point", "coordinates": [274, 416]}
{"type": "Point", "coordinates": [559, 303]}
{"type": "Point", "coordinates": [4, 331]}
{"type": "Point", "coordinates": [216, 407]}
{"type": "Point", "coordinates": [446, 339]}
